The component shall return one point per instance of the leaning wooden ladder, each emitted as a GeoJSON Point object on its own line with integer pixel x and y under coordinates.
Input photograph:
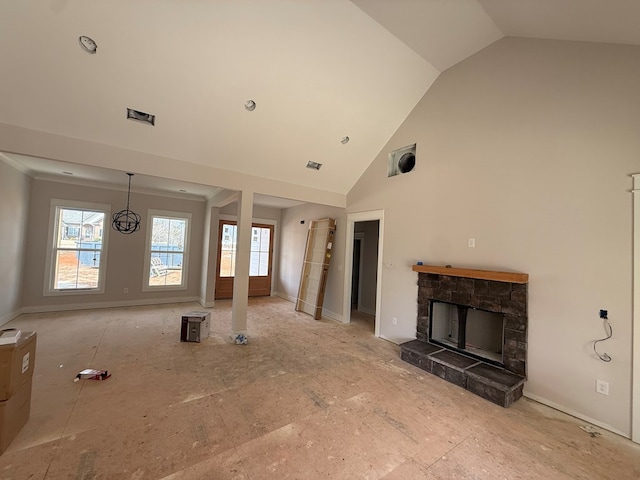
{"type": "Point", "coordinates": [315, 266]}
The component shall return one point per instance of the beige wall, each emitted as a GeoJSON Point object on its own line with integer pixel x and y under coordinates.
{"type": "Point", "coordinates": [14, 212]}
{"type": "Point", "coordinates": [527, 147]}
{"type": "Point", "coordinates": [125, 256]}
{"type": "Point", "coordinates": [293, 239]}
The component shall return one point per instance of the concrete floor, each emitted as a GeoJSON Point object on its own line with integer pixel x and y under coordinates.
{"type": "Point", "coordinates": [304, 399]}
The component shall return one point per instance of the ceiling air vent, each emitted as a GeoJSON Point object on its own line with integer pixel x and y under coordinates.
{"type": "Point", "coordinates": [141, 116]}
{"type": "Point", "coordinates": [314, 165]}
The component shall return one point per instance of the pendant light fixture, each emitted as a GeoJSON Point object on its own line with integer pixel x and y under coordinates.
{"type": "Point", "coordinates": [126, 221]}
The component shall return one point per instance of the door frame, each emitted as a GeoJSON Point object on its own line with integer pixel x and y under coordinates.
{"type": "Point", "coordinates": [359, 236]}
{"type": "Point", "coordinates": [352, 218]}
{"type": "Point", "coordinates": [274, 245]}
{"type": "Point", "coordinates": [635, 351]}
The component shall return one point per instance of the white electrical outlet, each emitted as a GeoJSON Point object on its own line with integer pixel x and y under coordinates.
{"type": "Point", "coordinates": [602, 387]}
{"type": "Point", "coordinates": [394, 321]}
{"type": "Point", "coordinates": [472, 243]}
{"type": "Point", "coordinates": [126, 290]}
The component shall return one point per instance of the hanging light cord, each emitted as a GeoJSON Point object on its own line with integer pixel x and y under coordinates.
{"type": "Point", "coordinates": [129, 190]}
{"type": "Point", "coordinates": [604, 356]}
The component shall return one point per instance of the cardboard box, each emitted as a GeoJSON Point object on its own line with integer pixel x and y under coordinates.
{"type": "Point", "coordinates": [16, 364]}
{"type": "Point", "coordinates": [195, 326]}
{"type": "Point", "coordinates": [14, 413]}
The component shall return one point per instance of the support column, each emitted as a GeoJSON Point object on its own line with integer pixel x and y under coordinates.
{"type": "Point", "coordinates": [241, 278]}
{"type": "Point", "coordinates": [209, 257]}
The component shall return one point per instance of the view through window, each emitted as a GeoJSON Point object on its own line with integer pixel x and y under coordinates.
{"type": "Point", "coordinates": [260, 250]}
{"type": "Point", "coordinates": [167, 251]}
{"type": "Point", "coordinates": [78, 249]}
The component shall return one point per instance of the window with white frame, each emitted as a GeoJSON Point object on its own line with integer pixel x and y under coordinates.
{"type": "Point", "coordinates": [167, 250]}
{"type": "Point", "coordinates": [76, 259]}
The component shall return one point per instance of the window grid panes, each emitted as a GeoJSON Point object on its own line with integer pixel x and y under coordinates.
{"type": "Point", "coordinates": [259, 255]}
{"type": "Point", "coordinates": [168, 239]}
{"type": "Point", "coordinates": [228, 250]}
{"type": "Point", "coordinates": [78, 249]}
{"type": "Point", "coordinates": [260, 241]}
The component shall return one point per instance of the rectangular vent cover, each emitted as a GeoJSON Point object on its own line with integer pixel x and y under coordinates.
{"type": "Point", "coordinates": [139, 116]}
{"type": "Point", "coordinates": [314, 165]}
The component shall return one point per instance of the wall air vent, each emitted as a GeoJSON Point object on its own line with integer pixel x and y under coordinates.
{"type": "Point", "coordinates": [402, 160]}
{"type": "Point", "coordinates": [314, 165]}
{"type": "Point", "coordinates": [141, 116]}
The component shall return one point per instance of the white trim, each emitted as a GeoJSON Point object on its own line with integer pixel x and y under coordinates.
{"type": "Point", "coordinates": [206, 304]}
{"type": "Point", "coordinates": [326, 313]}
{"type": "Point", "coordinates": [97, 305]}
{"type": "Point", "coordinates": [635, 350]}
{"type": "Point", "coordinates": [352, 218]}
{"type": "Point", "coordinates": [368, 311]}
{"type": "Point", "coordinates": [49, 271]}
{"type": "Point", "coordinates": [7, 317]}
{"type": "Point", "coordinates": [573, 413]}
{"type": "Point", "coordinates": [285, 297]}
{"type": "Point", "coordinates": [186, 255]}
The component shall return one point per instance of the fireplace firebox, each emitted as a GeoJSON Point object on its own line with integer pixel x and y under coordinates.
{"type": "Point", "coordinates": [472, 330]}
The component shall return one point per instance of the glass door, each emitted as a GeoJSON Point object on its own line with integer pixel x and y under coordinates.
{"type": "Point", "coordinates": [260, 265]}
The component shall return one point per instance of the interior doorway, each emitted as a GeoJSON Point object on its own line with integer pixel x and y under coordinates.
{"type": "Point", "coordinates": [635, 367]}
{"type": "Point", "coordinates": [356, 268]}
{"type": "Point", "coordinates": [363, 266]}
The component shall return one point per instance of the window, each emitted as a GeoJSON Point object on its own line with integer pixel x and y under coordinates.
{"type": "Point", "coordinates": [76, 263]}
{"type": "Point", "coordinates": [260, 251]}
{"type": "Point", "coordinates": [167, 250]}
{"type": "Point", "coordinates": [228, 250]}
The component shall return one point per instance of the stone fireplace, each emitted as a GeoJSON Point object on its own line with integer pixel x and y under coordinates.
{"type": "Point", "coordinates": [472, 330]}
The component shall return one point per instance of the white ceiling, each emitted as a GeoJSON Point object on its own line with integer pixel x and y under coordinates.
{"type": "Point", "coordinates": [317, 69]}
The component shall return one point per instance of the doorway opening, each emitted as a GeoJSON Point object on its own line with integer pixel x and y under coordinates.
{"type": "Point", "coordinates": [635, 367]}
{"type": "Point", "coordinates": [363, 268]}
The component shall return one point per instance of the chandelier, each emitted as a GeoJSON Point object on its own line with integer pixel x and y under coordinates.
{"type": "Point", "coordinates": [126, 221]}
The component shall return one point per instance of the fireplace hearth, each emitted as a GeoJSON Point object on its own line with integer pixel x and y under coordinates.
{"type": "Point", "coordinates": [472, 330]}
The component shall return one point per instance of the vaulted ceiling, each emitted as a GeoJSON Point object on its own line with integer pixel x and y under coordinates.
{"type": "Point", "coordinates": [318, 70]}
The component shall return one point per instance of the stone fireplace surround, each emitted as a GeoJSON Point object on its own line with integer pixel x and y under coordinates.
{"type": "Point", "coordinates": [499, 292]}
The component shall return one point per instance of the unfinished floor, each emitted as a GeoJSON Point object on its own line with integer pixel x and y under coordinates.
{"type": "Point", "coordinates": [304, 399]}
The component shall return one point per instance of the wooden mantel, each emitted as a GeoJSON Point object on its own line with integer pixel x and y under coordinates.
{"type": "Point", "coordinates": [511, 277]}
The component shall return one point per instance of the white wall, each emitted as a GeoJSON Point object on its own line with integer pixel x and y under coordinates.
{"type": "Point", "coordinates": [125, 255]}
{"type": "Point", "coordinates": [293, 239]}
{"type": "Point", "coordinates": [527, 147]}
{"type": "Point", "coordinates": [14, 212]}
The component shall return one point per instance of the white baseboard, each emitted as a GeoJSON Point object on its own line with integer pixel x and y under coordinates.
{"type": "Point", "coordinates": [285, 296]}
{"type": "Point", "coordinates": [7, 317]}
{"type": "Point", "coordinates": [325, 312]}
{"type": "Point", "coordinates": [206, 304]}
{"type": "Point", "coordinates": [94, 305]}
{"type": "Point", "coordinates": [368, 311]}
{"type": "Point", "coordinates": [573, 413]}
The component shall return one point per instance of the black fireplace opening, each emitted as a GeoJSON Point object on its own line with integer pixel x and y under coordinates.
{"type": "Point", "coordinates": [475, 332]}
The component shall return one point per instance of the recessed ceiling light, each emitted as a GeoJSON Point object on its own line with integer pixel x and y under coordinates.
{"type": "Point", "coordinates": [314, 165]}
{"type": "Point", "coordinates": [344, 140]}
{"type": "Point", "coordinates": [250, 105]}
{"type": "Point", "coordinates": [141, 116]}
{"type": "Point", "coordinates": [87, 44]}
{"type": "Point", "coordinates": [67, 173]}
